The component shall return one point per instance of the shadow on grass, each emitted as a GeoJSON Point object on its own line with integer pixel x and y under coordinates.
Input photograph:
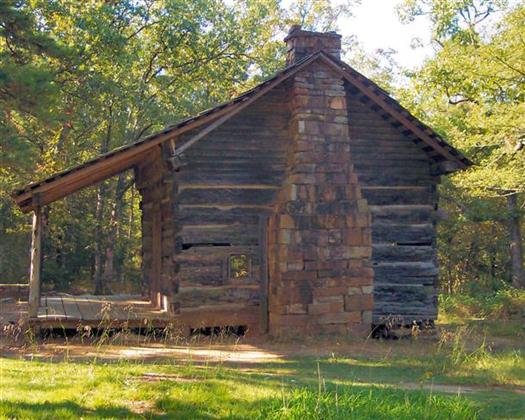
{"type": "Point", "coordinates": [61, 410]}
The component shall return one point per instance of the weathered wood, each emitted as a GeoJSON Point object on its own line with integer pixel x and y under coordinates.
{"type": "Point", "coordinates": [216, 177]}
{"type": "Point", "coordinates": [197, 296]}
{"type": "Point", "coordinates": [399, 197]}
{"type": "Point", "coordinates": [36, 263]}
{"type": "Point", "coordinates": [214, 215]}
{"type": "Point", "coordinates": [228, 235]}
{"type": "Point", "coordinates": [263, 244]}
{"type": "Point", "coordinates": [156, 250]}
{"type": "Point", "coordinates": [398, 183]}
{"type": "Point", "coordinates": [403, 213]}
{"type": "Point", "coordinates": [375, 179]}
{"type": "Point", "coordinates": [395, 253]}
{"type": "Point", "coordinates": [403, 234]}
{"type": "Point", "coordinates": [227, 196]}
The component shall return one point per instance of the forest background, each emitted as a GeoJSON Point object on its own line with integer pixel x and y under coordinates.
{"type": "Point", "coordinates": [80, 78]}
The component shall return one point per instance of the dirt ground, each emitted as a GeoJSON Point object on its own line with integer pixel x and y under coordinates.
{"type": "Point", "coordinates": [233, 350]}
{"type": "Point", "coordinates": [243, 353]}
{"type": "Point", "coordinates": [205, 349]}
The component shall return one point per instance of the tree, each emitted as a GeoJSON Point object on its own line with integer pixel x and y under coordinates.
{"type": "Point", "coordinates": [472, 90]}
{"type": "Point", "coordinates": [80, 78]}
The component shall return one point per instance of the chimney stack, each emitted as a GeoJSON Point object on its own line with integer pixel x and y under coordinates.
{"type": "Point", "coordinates": [303, 43]}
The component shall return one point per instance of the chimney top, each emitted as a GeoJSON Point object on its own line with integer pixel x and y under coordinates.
{"type": "Point", "coordinates": [301, 43]}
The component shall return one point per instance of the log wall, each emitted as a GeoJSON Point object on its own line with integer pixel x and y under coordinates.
{"type": "Point", "coordinates": [397, 181]}
{"type": "Point", "coordinates": [157, 186]}
{"type": "Point", "coordinates": [227, 184]}
{"type": "Point", "coordinates": [254, 168]}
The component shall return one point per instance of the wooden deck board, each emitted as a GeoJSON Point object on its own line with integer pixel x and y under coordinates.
{"type": "Point", "coordinates": [59, 310]}
{"type": "Point", "coordinates": [71, 308]}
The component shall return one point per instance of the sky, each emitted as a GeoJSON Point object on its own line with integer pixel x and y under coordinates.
{"type": "Point", "coordinates": [376, 25]}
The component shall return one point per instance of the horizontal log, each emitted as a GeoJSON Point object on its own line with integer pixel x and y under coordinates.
{"type": "Point", "coordinates": [407, 269]}
{"type": "Point", "coordinates": [227, 153]}
{"type": "Point", "coordinates": [227, 196]}
{"type": "Point", "coordinates": [384, 178]}
{"type": "Point", "coordinates": [395, 253]}
{"type": "Point", "coordinates": [248, 142]}
{"type": "Point", "coordinates": [403, 213]}
{"type": "Point", "coordinates": [217, 177]}
{"type": "Point", "coordinates": [212, 215]}
{"type": "Point", "coordinates": [204, 274]}
{"type": "Point", "coordinates": [203, 279]}
{"type": "Point", "coordinates": [397, 197]}
{"type": "Point", "coordinates": [415, 172]}
{"type": "Point", "coordinates": [210, 254]}
{"type": "Point", "coordinates": [192, 297]}
{"type": "Point", "coordinates": [421, 162]}
{"type": "Point", "coordinates": [232, 167]}
{"type": "Point", "coordinates": [233, 234]}
{"type": "Point", "coordinates": [403, 234]}
{"type": "Point", "coordinates": [402, 294]}
{"type": "Point", "coordinates": [402, 149]}
{"type": "Point", "coordinates": [386, 142]}
{"type": "Point", "coordinates": [387, 275]}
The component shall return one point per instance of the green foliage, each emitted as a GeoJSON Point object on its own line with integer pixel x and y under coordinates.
{"type": "Point", "coordinates": [503, 304]}
{"type": "Point", "coordinates": [79, 79]}
{"type": "Point", "coordinates": [472, 92]}
{"type": "Point", "coordinates": [319, 15]}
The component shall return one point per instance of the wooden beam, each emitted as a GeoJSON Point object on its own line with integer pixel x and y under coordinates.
{"type": "Point", "coordinates": [156, 255]}
{"type": "Point", "coordinates": [36, 262]}
{"type": "Point", "coordinates": [263, 252]}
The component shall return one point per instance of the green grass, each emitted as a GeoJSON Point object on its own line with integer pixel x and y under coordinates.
{"type": "Point", "coordinates": [332, 387]}
{"type": "Point", "coordinates": [480, 349]}
{"type": "Point", "coordinates": [73, 390]}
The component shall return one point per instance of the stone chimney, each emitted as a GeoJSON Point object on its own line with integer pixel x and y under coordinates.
{"type": "Point", "coordinates": [319, 245]}
{"type": "Point", "coordinates": [302, 43]}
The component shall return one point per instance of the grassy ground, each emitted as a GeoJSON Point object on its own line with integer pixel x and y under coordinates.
{"type": "Point", "coordinates": [473, 368]}
{"type": "Point", "coordinates": [462, 374]}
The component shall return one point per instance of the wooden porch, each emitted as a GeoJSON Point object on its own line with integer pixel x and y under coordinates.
{"type": "Point", "coordinates": [68, 311]}
{"type": "Point", "coordinates": [62, 310]}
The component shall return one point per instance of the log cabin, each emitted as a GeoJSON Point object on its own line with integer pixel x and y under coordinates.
{"type": "Point", "coordinates": [307, 204]}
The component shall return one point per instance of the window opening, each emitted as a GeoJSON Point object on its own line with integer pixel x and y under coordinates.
{"type": "Point", "coordinates": [239, 266]}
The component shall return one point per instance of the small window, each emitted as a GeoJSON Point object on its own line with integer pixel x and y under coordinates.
{"type": "Point", "coordinates": [239, 266]}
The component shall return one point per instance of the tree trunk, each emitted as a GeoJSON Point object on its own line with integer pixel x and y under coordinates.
{"type": "Point", "coordinates": [114, 231]}
{"type": "Point", "coordinates": [99, 217]}
{"type": "Point", "coordinates": [516, 252]}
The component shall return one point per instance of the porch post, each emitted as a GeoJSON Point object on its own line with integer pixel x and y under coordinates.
{"type": "Point", "coordinates": [36, 255]}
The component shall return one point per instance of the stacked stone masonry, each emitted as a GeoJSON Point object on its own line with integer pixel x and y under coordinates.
{"type": "Point", "coordinates": [320, 237]}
